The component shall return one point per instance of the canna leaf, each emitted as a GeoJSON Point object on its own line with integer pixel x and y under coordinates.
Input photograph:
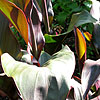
{"type": "Point", "coordinates": [46, 12]}
{"type": "Point", "coordinates": [16, 17]}
{"type": "Point", "coordinates": [90, 75]}
{"type": "Point", "coordinates": [80, 43]}
{"type": "Point", "coordinates": [80, 19]}
{"type": "Point", "coordinates": [36, 38]}
{"type": "Point", "coordinates": [80, 46]}
{"type": "Point", "coordinates": [42, 83]}
{"type": "Point", "coordinates": [8, 42]}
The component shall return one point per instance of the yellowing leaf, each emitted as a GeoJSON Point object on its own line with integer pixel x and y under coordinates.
{"type": "Point", "coordinates": [88, 36]}
{"type": "Point", "coordinates": [80, 43]}
{"type": "Point", "coordinates": [16, 17]}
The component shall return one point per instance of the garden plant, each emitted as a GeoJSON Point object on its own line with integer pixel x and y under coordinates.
{"type": "Point", "coordinates": [36, 60]}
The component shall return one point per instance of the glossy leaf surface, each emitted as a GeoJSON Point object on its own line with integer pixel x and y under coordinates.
{"type": "Point", "coordinates": [50, 82]}
{"type": "Point", "coordinates": [90, 73]}
{"type": "Point", "coordinates": [16, 17]}
{"type": "Point", "coordinates": [80, 19]}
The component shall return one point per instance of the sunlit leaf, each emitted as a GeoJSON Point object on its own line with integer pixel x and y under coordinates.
{"type": "Point", "coordinates": [49, 39]}
{"type": "Point", "coordinates": [90, 73]}
{"type": "Point", "coordinates": [80, 46]}
{"type": "Point", "coordinates": [62, 60]}
{"type": "Point", "coordinates": [8, 42]}
{"type": "Point", "coordinates": [80, 19]}
{"type": "Point", "coordinates": [42, 83]}
{"type": "Point", "coordinates": [16, 17]}
{"type": "Point", "coordinates": [80, 43]}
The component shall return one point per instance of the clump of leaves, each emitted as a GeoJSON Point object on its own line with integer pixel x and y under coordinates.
{"type": "Point", "coordinates": [54, 80]}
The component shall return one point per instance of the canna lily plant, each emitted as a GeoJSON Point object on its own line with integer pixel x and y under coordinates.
{"type": "Point", "coordinates": [54, 79]}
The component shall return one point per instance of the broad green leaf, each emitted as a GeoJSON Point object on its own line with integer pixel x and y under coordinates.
{"type": "Point", "coordinates": [80, 19]}
{"type": "Point", "coordinates": [50, 82]}
{"type": "Point", "coordinates": [16, 17]}
{"type": "Point", "coordinates": [8, 42]}
{"type": "Point", "coordinates": [90, 74]}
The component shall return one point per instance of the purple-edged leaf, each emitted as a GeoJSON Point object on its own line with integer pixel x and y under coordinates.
{"type": "Point", "coordinates": [42, 83]}
{"type": "Point", "coordinates": [36, 38]}
{"type": "Point", "coordinates": [45, 8]}
{"type": "Point", "coordinates": [90, 73]}
{"type": "Point", "coordinates": [16, 17]}
{"type": "Point", "coordinates": [8, 42]}
{"type": "Point", "coordinates": [80, 46]}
